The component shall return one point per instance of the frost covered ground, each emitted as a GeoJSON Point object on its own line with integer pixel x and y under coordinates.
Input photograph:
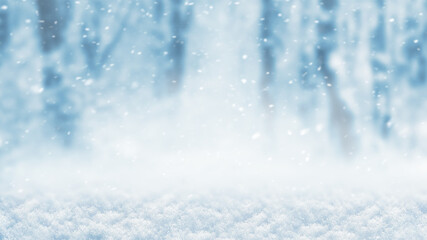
{"type": "Point", "coordinates": [194, 200]}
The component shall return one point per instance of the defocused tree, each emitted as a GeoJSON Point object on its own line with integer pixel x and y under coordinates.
{"type": "Point", "coordinates": [415, 64]}
{"type": "Point", "coordinates": [4, 26]}
{"type": "Point", "coordinates": [171, 21]}
{"type": "Point", "coordinates": [306, 67]}
{"type": "Point", "coordinates": [180, 20]}
{"type": "Point", "coordinates": [7, 103]}
{"type": "Point", "coordinates": [340, 116]}
{"type": "Point", "coordinates": [59, 110]}
{"type": "Point", "coordinates": [268, 44]}
{"type": "Point", "coordinates": [98, 42]}
{"type": "Point", "coordinates": [380, 62]}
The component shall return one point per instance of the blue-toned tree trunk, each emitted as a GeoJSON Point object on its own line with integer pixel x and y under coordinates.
{"type": "Point", "coordinates": [340, 116]}
{"type": "Point", "coordinates": [306, 70]}
{"type": "Point", "coordinates": [4, 26]}
{"type": "Point", "coordinates": [414, 51]}
{"type": "Point", "coordinates": [171, 20]}
{"type": "Point", "coordinates": [380, 62]}
{"type": "Point", "coordinates": [180, 20]}
{"type": "Point", "coordinates": [59, 110]}
{"type": "Point", "coordinates": [96, 50]}
{"type": "Point", "coordinates": [6, 106]}
{"type": "Point", "coordinates": [267, 41]}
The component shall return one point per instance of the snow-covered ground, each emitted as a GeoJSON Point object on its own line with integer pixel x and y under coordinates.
{"type": "Point", "coordinates": [207, 200]}
{"type": "Point", "coordinates": [291, 215]}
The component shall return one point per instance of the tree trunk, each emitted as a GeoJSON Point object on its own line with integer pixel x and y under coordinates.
{"type": "Point", "coordinates": [340, 116]}
{"type": "Point", "coordinates": [58, 108]}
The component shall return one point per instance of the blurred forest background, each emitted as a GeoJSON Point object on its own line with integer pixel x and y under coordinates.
{"type": "Point", "coordinates": [138, 78]}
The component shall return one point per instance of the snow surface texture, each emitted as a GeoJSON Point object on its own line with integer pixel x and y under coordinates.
{"type": "Point", "coordinates": [290, 216]}
{"type": "Point", "coordinates": [208, 201]}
